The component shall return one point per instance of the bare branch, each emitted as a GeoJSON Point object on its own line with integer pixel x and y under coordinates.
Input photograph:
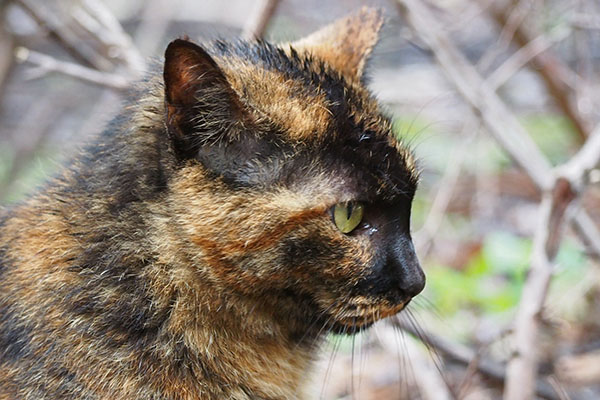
{"type": "Point", "coordinates": [587, 230]}
{"type": "Point", "coordinates": [522, 368]}
{"type": "Point", "coordinates": [585, 21]}
{"type": "Point", "coordinates": [116, 35]}
{"type": "Point", "coordinates": [557, 76]}
{"type": "Point", "coordinates": [467, 356]}
{"type": "Point", "coordinates": [49, 63]}
{"type": "Point", "coordinates": [501, 123]}
{"type": "Point", "coordinates": [498, 119]}
{"type": "Point", "coordinates": [257, 23]}
{"type": "Point", "coordinates": [431, 384]}
{"type": "Point", "coordinates": [424, 237]}
{"type": "Point", "coordinates": [586, 159]}
{"type": "Point", "coordinates": [558, 192]}
{"type": "Point", "coordinates": [582, 368]}
{"type": "Point", "coordinates": [515, 17]}
{"type": "Point", "coordinates": [524, 55]}
{"type": "Point", "coordinates": [47, 18]}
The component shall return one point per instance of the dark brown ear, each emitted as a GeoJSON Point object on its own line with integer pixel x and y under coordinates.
{"type": "Point", "coordinates": [346, 43]}
{"type": "Point", "coordinates": [201, 106]}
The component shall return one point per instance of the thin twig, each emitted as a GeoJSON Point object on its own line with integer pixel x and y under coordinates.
{"type": "Point", "coordinates": [558, 192]}
{"type": "Point", "coordinates": [256, 24]}
{"type": "Point", "coordinates": [557, 76]}
{"type": "Point", "coordinates": [502, 123]}
{"type": "Point", "coordinates": [586, 159]}
{"type": "Point", "coordinates": [516, 16]}
{"type": "Point", "coordinates": [116, 36]}
{"type": "Point", "coordinates": [424, 237]}
{"type": "Point", "coordinates": [522, 368]}
{"type": "Point", "coordinates": [46, 17]}
{"type": "Point", "coordinates": [148, 38]}
{"type": "Point", "coordinates": [524, 55]}
{"type": "Point", "coordinates": [498, 119]}
{"type": "Point", "coordinates": [431, 385]}
{"type": "Point", "coordinates": [466, 356]}
{"type": "Point", "coordinates": [558, 388]}
{"type": "Point", "coordinates": [51, 64]}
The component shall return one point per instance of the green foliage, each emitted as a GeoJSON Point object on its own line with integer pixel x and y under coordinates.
{"type": "Point", "coordinates": [492, 281]}
{"type": "Point", "coordinates": [33, 173]}
{"type": "Point", "coordinates": [554, 134]}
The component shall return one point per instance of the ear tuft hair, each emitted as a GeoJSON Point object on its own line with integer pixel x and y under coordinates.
{"type": "Point", "coordinates": [201, 106]}
{"type": "Point", "coordinates": [346, 43]}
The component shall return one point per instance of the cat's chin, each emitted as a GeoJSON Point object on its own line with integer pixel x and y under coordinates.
{"type": "Point", "coordinates": [353, 324]}
{"type": "Point", "coordinates": [339, 328]}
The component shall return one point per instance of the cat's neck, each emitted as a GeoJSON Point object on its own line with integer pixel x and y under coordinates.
{"type": "Point", "coordinates": [259, 343]}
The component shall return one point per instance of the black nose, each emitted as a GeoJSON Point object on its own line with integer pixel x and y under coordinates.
{"type": "Point", "coordinates": [397, 274]}
{"type": "Point", "coordinates": [402, 261]}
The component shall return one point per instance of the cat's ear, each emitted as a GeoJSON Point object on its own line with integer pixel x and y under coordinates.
{"type": "Point", "coordinates": [201, 106]}
{"type": "Point", "coordinates": [346, 43]}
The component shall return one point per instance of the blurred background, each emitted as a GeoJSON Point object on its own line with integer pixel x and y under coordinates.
{"type": "Point", "coordinates": [496, 97]}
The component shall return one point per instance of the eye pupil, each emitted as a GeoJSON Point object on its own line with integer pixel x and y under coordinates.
{"type": "Point", "coordinates": [347, 216]}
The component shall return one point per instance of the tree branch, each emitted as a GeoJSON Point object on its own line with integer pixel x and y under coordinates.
{"type": "Point", "coordinates": [257, 23]}
{"type": "Point", "coordinates": [558, 192]}
{"type": "Point", "coordinates": [498, 119]}
{"type": "Point", "coordinates": [522, 368]}
{"type": "Point", "coordinates": [556, 76]}
{"type": "Point", "coordinates": [46, 17]}
{"type": "Point", "coordinates": [48, 63]}
{"type": "Point", "coordinates": [467, 356]}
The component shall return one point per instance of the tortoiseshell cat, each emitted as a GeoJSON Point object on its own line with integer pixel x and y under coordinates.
{"type": "Point", "coordinates": [246, 203]}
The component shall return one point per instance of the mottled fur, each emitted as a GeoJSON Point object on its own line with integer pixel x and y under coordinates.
{"type": "Point", "coordinates": [190, 253]}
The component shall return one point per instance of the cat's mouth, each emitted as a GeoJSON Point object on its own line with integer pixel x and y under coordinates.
{"type": "Point", "coordinates": [358, 316]}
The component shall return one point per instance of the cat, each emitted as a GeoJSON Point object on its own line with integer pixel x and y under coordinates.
{"type": "Point", "coordinates": [247, 202]}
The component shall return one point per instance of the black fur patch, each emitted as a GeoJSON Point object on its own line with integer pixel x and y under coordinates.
{"type": "Point", "coordinates": [130, 309]}
{"type": "Point", "coordinates": [15, 336]}
{"type": "Point", "coordinates": [311, 251]}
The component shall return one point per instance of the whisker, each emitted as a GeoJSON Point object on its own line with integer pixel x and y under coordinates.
{"type": "Point", "coordinates": [424, 303]}
{"type": "Point", "coordinates": [409, 365]}
{"type": "Point", "coordinates": [363, 351]}
{"type": "Point", "coordinates": [332, 358]}
{"type": "Point", "coordinates": [400, 357]}
{"type": "Point", "coordinates": [312, 325]}
{"type": "Point", "coordinates": [352, 359]}
{"type": "Point", "coordinates": [435, 355]}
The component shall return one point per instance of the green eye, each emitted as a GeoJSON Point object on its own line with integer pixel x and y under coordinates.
{"type": "Point", "coordinates": [347, 216]}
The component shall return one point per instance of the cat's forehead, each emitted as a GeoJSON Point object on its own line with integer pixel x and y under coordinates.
{"type": "Point", "coordinates": [312, 105]}
{"type": "Point", "coordinates": [297, 92]}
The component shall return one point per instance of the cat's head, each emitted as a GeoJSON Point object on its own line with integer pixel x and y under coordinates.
{"type": "Point", "coordinates": [290, 184]}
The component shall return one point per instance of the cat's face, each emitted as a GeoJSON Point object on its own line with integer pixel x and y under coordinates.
{"type": "Point", "coordinates": [290, 184]}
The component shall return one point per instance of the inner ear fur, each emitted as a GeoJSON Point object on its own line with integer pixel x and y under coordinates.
{"type": "Point", "coordinates": [201, 106]}
{"type": "Point", "coordinates": [345, 45]}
